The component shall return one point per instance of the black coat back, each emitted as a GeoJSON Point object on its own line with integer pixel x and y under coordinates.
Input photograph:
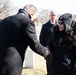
{"type": "Point", "coordinates": [18, 31]}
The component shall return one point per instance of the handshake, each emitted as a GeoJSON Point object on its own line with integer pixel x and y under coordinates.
{"type": "Point", "coordinates": [47, 53]}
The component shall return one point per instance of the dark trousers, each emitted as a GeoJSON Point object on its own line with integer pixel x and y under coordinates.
{"type": "Point", "coordinates": [48, 64]}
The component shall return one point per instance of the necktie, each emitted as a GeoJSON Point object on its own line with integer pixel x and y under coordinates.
{"type": "Point", "coordinates": [52, 24]}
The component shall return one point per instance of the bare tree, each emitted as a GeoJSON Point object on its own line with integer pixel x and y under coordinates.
{"type": "Point", "coordinates": [43, 15]}
{"type": "Point", "coordinates": [5, 8]}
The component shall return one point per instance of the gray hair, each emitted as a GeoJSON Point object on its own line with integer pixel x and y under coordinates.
{"type": "Point", "coordinates": [30, 8]}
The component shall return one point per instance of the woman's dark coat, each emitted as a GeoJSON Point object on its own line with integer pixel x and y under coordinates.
{"type": "Point", "coordinates": [62, 57]}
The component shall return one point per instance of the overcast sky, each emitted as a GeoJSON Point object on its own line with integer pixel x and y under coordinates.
{"type": "Point", "coordinates": [60, 6]}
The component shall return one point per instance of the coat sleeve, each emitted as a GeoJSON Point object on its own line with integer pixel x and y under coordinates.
{"type": "Point", "coordinates": [32, 39]}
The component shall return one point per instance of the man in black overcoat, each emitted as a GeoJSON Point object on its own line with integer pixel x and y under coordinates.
{"type": "Point", "coordinates": [17, 32]}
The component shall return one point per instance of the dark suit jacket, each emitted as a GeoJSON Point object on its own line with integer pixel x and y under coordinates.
{"type": "Point", "coordinates": [17, 32]}
{"type": "Point", "coordinates": [45, 33]}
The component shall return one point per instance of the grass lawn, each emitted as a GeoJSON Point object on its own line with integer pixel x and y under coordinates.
{"type": "Point", "coordinates": [40, 67]}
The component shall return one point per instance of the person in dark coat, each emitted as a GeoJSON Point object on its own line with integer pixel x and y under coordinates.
{"type": "Point", "coordinates": [17, 32]}
{"type": "Point", "coordinates": [62, 55]}
{"type": "Point", "coordinates": [46, 32]}
{"type": "Point", "coordinates": [47, 27]}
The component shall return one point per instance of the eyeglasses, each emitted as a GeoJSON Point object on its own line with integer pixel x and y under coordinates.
{"type": "Point", "coordinates": [60, 23]}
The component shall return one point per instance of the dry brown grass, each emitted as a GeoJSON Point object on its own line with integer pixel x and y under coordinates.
{"type": "Point", "coordinates": [40, 67]}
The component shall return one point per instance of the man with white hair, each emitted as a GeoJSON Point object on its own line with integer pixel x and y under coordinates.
{"type": "Point", "coordinates": [47, 27]}
{"type": "Point", "coordinates": [46, 32]}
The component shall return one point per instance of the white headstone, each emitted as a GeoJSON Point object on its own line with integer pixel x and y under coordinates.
{"type": "Point", "coordinates": [29, 61]}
